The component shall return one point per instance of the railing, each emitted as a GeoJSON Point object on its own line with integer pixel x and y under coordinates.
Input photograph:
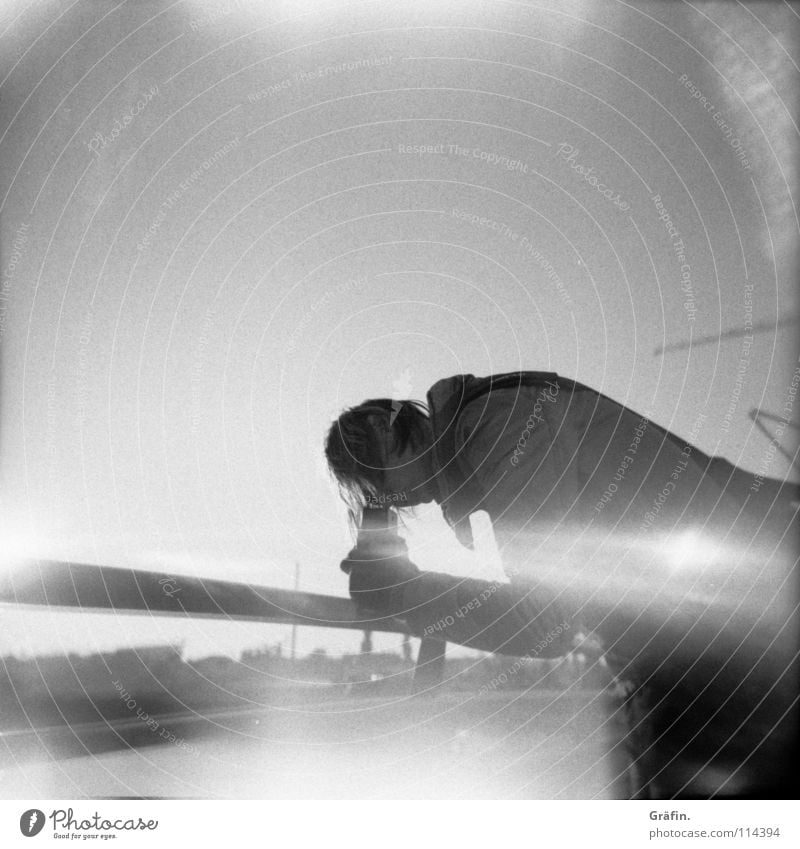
{"type": "Point", "coordinates": [64, 585]}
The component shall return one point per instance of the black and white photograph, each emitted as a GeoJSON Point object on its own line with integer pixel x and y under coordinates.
{"type": "Point", "coordinates": [399, 403]}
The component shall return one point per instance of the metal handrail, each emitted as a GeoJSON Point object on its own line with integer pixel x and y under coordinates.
{"type": "Point", "coordinates": [92, 588]}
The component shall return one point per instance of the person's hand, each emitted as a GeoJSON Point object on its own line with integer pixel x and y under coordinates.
{"type": "Point", "coordinates": [377, 583]}
{"type": "Point", "coordinates": [375, 547]}
{"type": "Point", "coordinates": [359, 557]}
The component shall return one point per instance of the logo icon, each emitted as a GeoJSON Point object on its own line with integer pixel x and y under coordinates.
{"type": "Point", "coordinates": [31, 822]}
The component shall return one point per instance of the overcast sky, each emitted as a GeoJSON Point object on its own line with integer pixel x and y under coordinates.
{"type": "Point", "coordinates": [222, 223]}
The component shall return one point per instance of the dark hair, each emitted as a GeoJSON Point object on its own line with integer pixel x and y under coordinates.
{"type": "Point", "coordinates": [357, 447]}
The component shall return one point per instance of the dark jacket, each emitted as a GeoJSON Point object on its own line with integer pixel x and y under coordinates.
{"type": "Point", "coordinates": [603, 519]}
{"type": "Point", "coordinates": [544, 453]}
{"type": "Point", "coordinates": [684, 564]}
{"type": "Point", "coordinates": [588, 497]}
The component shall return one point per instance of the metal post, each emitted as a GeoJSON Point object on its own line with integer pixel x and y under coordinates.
{"type": "Point", "coordinates": [294, 625]}
{"type": "Point", "coordinates": [430, 665]}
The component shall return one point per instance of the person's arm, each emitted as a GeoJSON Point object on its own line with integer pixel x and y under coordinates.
{"type": "Point", "coordinates": [520, 451]}
{"type": "Point", "coordinates": [493, 616]}
{"type": "Point", "coordinates": [488, 615]}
